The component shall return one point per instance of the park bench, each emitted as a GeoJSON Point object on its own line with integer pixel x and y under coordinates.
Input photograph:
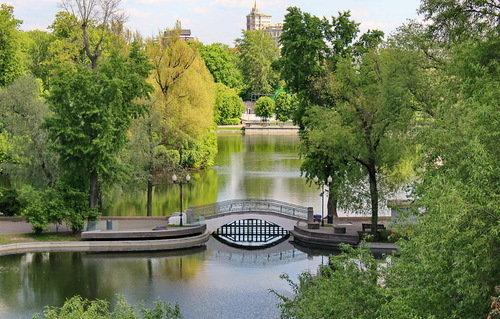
{"type": "Point", "coordinates": [369, 226]}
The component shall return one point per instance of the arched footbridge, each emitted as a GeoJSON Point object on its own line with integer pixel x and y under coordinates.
{"type": "Point", "coordinates": [218, 214]}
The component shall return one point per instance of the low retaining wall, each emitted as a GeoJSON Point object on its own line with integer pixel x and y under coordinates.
{"type": "Point", "coordinates": [116, 246]}
{"type": "Point", "coordinates": [325, 239]}
{"type": "Point", "coordinates": [271, 130]}
{"type": "Point", "coordinates": [174, 232]}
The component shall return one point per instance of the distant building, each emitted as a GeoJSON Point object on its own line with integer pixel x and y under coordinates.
{"type": "Point", "coordinates": [259, 21]}
{"type": "Point", "coordinates": [186, 35]}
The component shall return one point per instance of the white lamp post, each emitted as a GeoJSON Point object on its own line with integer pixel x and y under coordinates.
{"type": "Point", "coordinates": [180, 182]}
{"type": "Point", "coordinates": [322, 194]}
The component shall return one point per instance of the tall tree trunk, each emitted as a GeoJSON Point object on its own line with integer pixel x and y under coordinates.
{"type": "Point", "coordinates": [149, 204]}
{"type": "Point", "coordinates": [332, 207]}
{"type": "Point", "coordinates": [372, 173]}
{"type": "Point", "coordinates": [94, 189]}
{"type": "Point", "coordinates": [150, 199]}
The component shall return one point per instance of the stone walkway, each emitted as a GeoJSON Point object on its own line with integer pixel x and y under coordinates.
{"type": "Point", "coordinates": [19, 226]}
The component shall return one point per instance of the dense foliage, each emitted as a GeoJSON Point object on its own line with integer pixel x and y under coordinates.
{"type": "Point", "coordinates": [285, 106]}
{"type": "Point", "coordinates": [257, 53]}
{"type": "Point", "coordinates": [264, 107]}
{"type": "Point", "coordinates": [351, 85]}
{"type": "Point", "coordinates": [444, 79]}
{"type": "Point", "coordinates": [222, 62]}
{"type": "Point", "coordinates": [86, 116]}
{"type": "Point", "coordinates": [78, 307]}
{"type": "Point", "coordinates": [228, 106]}
{"type": "Point", "coordinates": [11, 46]}
{"type": "Point", "coordinates": [419, 109]}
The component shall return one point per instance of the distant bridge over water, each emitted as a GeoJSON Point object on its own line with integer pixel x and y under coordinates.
{"type": "Point", "coordinates": [215, 215]}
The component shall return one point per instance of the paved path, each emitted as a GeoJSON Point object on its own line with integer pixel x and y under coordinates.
{"type": "Point", "coordinates": [18, 226]}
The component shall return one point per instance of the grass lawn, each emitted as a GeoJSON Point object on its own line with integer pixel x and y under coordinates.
{"type": "Point", "coordinates": [31, 237]}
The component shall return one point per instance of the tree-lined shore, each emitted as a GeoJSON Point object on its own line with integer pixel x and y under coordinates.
{"type": "Point", "coordinates": [90, 109]}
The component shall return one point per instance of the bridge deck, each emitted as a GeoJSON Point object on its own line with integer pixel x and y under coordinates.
{"type": "Point", "coordinates": [250, 205]}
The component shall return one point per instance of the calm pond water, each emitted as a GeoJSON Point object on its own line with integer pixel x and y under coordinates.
{"type": "Point", "coordinates": [251, 166]}
{"type": "Point", "coordinates": [215, 281]}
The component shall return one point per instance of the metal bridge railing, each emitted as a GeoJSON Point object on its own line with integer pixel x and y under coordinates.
{"type": "Point", "coordinates": [249, 205]}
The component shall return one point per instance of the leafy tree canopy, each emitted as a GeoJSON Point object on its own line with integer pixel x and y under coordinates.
{"type": "Point", "coordinates": [228, 105]}
{"type": "Point", "coordinates": [258, 52]}
{"type": "Point", "coordinates": [285, 105]}
{"type": "Point", "coordinates": [264, 107]}
{"type": "Point", "coordinates": [185, 97]}
{"type": "Point", "coordinates": [222, 63]}
{"type": "Point", "coordinates": [11, 46]}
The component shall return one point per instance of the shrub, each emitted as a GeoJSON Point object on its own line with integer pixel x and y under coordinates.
{"type": "Point", "coordinates": [78, 308]}
{"type": "Point", "coordinates": [9, 202]}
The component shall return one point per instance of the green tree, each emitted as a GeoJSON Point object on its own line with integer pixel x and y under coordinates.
{"type": "Point", "coordinates": [39, 54]}
{"type": "Point", "coordinates": [223, 65]}
{"type": "Point", "coordinates": [9, 202]}
{"type": "Point", "coordinates": [460, 20]}
{"type": "Point", "coordinates": [5, 149]}
{"type": "Point", "coordinates": [11, 46]}
{"type": "Point", "coordinates": [264, 107]}
{"type": "Point", "coordinates": [150, 162]}
{"type": "Point", "coordinates": [55, 205]}
{"type": "Point", "coordinates": [316, 57]}
{"type": "Point", "coordinates": [310, 48]}
{"type": "Point", "coordinates": [447, 263]}
{"type": "Point", "coordinates": [78, 307]}
{"type": "Point", "coordinates": [257, 54]}
{"type": "Point", "coordinates": [451, 253]}
{"type": "Point", "coordinates": [303, 50]}
{"type": "Point", "coordinates": [285, 106]}
{"type": "Point", "coordinates": [97, 79]}
{"type": "Point", "coordinates": [370, 118]}
{"type": "Point", "coordinates": [185, 97]}
{"type": "Point", "coordinates": [345, 288]}
{"type": "Point", "coordinates": [228, 105]}
{"type": "Point", "coordinates": [92, 112]}
{"type": "Point", "coordinates": [31, 159]}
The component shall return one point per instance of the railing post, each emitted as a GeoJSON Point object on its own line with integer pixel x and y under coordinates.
{"type": "Point", "coordinates": [310, 213]}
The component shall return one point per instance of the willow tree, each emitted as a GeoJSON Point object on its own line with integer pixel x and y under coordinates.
{"type": "Point", "coordinates": [180, 134]}
{"type": "Point", "coordinates": [185, 94]}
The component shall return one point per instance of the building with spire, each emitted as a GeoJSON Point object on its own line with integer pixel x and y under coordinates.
{"type": "Point", "coordinates": [259, 21]}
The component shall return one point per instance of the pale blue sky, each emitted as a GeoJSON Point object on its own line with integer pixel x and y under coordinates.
{"type": "Point", "coordinates": [222, 20]}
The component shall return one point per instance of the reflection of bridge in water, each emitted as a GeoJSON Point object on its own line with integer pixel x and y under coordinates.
{"type": "Point", "coordinates": [251, 232]}
{"type": "Point", "coordinates": [280, 254]}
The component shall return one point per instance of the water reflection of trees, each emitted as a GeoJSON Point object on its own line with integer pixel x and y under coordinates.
{"type": "Point", "coordinates": [34, 280]}
{"type": "Point", "coordinates": [202, 190]}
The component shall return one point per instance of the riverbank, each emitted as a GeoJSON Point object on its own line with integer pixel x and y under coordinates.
{"type": "Point", "coordinates": [259, 129]}
{"type": "Point", "coordinates": [135, 227]}
{"type": "Point", "coordinates": [125, 234]}
{"type": "Point", "coordinates": [327, 237]}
